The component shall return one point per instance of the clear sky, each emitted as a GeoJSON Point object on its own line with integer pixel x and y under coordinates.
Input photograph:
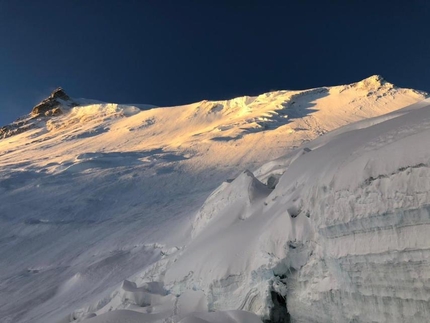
{"type": "Point", "coordinates": [176, 52]}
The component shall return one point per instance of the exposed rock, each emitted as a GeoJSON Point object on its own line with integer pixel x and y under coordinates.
{"type": "Point", "coordinates": [51, 105]}
{"type": "Point", "coordinates": [53, 112]}
{"type": "Point", "coordinates": [14, 129]}
{"type": "Point", "coordinates": [59, 93]}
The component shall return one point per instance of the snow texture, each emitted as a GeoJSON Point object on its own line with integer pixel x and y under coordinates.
{"type": "Point", "coordinates": [107, 213]}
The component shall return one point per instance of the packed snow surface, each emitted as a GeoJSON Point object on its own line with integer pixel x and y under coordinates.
{"type": "Point", "coordinates": [111, 213]}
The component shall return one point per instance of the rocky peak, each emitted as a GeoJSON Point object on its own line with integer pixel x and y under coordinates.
{"type": "Point", "coordinates": [51, 106]}
{"type": "Point", "coordinates": [59, 93]}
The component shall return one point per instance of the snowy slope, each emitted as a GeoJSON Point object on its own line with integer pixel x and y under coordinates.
{"type": "Point", "coordinates": [108, 192]}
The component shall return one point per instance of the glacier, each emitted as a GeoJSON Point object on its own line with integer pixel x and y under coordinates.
{"type": "Point", "coordinates": [107, 212]}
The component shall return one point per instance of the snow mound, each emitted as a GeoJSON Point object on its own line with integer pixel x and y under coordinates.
{"type": "Point", "coordinates": [239, 196]}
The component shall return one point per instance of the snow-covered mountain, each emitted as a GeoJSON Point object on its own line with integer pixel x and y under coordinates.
{"type": "Point", "coordinates": [109, 208]}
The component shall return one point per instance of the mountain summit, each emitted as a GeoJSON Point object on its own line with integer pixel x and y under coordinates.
{"type": "Point", "coordinates": [51, 106]}
{"type": "Point", "coordinates": [54, 105]}
{"type": "Point", "coordinates": [374, 82]}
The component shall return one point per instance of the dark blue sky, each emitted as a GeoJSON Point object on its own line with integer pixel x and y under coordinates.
{"type": "Point", "coordinates": [177, 52]}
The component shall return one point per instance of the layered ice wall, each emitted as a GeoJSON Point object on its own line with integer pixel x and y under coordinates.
{"type": "Point", "coordinates": [367, 193]}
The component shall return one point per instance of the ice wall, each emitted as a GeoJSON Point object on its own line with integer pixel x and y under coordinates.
{"type": "Point", "coordinates": [367, 193]}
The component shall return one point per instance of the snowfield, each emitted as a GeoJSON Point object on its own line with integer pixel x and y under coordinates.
{"type": "Point", "coordinates": [221, 211]}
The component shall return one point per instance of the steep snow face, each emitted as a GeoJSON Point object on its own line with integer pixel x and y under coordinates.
{"type": "Point", "coordinates": [107, 192]}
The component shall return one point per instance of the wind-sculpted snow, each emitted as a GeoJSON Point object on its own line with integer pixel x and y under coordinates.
{"type": "Point", "coordinates": [102, 208]}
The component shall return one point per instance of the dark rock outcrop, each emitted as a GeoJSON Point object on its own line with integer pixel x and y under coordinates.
{"type": "Point", "coordinates": [14, 128]}
{"type": "Point", "coordinates": [51, 105]}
